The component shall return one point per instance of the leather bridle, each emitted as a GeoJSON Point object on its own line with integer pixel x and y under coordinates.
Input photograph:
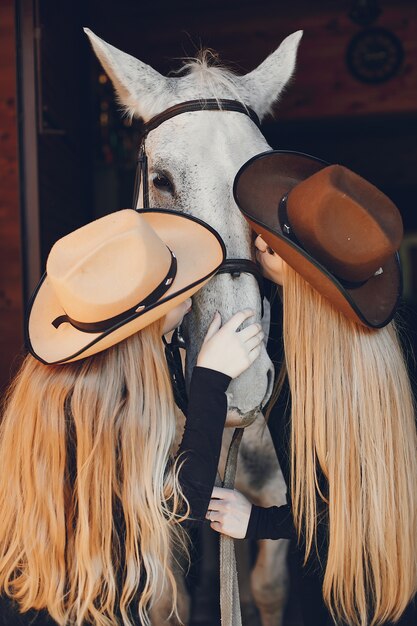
{"type": "Point", "coordinates": [229, 588]}
{"type": "Point", "coordinates": [234, 267]}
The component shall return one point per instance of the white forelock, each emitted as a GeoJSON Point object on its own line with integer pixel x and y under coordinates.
{"type": "Point", "coordinates": [143, 92]}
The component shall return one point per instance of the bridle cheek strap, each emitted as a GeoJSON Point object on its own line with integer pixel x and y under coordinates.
{"type": "Point", "coordinates": [189, 106]}
{"type": "Point", "coordinates": [141, 177]}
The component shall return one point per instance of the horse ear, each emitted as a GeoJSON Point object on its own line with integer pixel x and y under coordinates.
{"type": "Point", "coordinates": [138, 86]}
{"type": "Point", "coordinates": [264, 84]}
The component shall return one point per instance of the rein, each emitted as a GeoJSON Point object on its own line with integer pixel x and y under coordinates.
{"type": "Point", "coordinates": [229, 588]}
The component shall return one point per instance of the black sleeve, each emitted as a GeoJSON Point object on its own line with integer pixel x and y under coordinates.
{"type": "Point", "coordinates": [274, 522]}
{"type": "Point", "coordinates": [202, 439]}
{"type": "Point", "coordinates": [10, 616]}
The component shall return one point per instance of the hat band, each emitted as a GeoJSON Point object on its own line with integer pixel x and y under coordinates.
{"type": "Point", "coordinates": [288, 232]}
{"type": "Point", "coordinates": [104, 325]}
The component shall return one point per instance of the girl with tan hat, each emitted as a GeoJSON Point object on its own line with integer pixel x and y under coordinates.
{"type": "Point", "coordinates": [343, 420]}
{"type": "Point", "coordinates": [93, 497]}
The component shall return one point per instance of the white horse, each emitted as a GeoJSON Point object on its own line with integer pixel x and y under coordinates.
{"type": "Point", "coordinates": [192, 160]}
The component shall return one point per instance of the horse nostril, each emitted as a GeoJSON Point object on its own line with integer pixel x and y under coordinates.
{"type": "Point", "coordinates": [270, 375]}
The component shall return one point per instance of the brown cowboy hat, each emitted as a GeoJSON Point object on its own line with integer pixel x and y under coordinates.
{"type": "Point", "coordinates": [109, 279]}
{"type": "Point", "coordinates": [333, 227]}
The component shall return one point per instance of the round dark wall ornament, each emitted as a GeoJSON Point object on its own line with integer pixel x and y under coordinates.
{"type": "Point", "coordinates": [374, 55]}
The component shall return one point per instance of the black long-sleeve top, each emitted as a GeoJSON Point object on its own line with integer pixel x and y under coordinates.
{"type": "Point", "coordinates": [202, 438]}
{"type": "Point", "coordinates": [200, 449]}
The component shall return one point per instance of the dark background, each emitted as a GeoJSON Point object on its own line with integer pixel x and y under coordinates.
{"type": "Point", "coordinates": [86, 151]}
{"type": "Point", "coordinates": [67, 155]}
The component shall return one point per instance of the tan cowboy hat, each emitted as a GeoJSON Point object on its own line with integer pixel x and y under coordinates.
{"type": "Point", "coordinates": [333, 227]}
{"type": "Point", "coordinates": [116, 275]}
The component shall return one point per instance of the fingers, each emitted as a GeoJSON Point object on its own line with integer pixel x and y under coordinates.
{"type": "Point", "coordinates": [253, 354]}
{"type": "Point", "coordinates": [250, 331]}
{"type": "Point", "coordinates": [215, 506]}
{"type": "Point", "coordinates": [221, 492]}
{"type": "Point", "coordinates": [233, 324]}
{"type": "Point", "coordinates": [253, 342]}
{"type": "Point", "coordinates": [214, 326]}
{"type": "Point", "coordinates": [215, 515]}
{"type": "Point", "coordinates": [216, 526]}
{"type": "Point", "coordinates": [238, 318]}
{"type": "Point", "coordinates": [229, 513]}
{"type": "Point", "coordinates": [218, 504]}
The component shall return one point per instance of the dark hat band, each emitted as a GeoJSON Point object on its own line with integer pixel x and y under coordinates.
{"type": "Point", "coordinates": [288, 232]}
{"type": "Point", "coordinates": [104, 325]}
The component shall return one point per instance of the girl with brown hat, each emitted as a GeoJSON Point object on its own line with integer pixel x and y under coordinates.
{"type": "Point", "coordinates": [344, 421]}
{"type": "Point", "coordinates": [93, 498]}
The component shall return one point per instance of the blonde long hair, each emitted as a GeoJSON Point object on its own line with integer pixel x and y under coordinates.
{"type": "Point", "coordinates": [353, 418]}
{"type": "Point", "coordinates": [84, 444]}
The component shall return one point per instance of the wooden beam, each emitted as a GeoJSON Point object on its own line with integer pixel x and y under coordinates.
{"type": "Point", "coordinates": [11, 290]}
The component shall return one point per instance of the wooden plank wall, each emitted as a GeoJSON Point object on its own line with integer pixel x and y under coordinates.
{"type": "Point", "coordinates": [11, 299]}
{"type": "Point", "coordinates": [245, 33]}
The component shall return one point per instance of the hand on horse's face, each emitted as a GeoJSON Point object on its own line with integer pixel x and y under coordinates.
{"type": "Point", "coordinates": [270, 261]}
{"type": "Point", "coordinates": [227, 350]}
{"type": "Point", "coordinates": [175, 316]}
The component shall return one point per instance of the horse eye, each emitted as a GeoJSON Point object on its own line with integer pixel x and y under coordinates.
{"type": "Point", "coordinates": [162, 182]}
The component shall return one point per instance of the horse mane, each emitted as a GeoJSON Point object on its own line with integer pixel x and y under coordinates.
{"type": "Point", "coordinates": [214, 77]}
{"type": "Point", "coordinates": [210, 78]}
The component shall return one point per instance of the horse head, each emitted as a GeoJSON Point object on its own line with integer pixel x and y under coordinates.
{"type": "Point", "coordinates": [192, 161]}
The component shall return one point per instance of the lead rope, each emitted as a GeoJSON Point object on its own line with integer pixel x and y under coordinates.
{"type": "Point", "coordinates": [230, 614]}
{"type": "Point", "coordinates": [229, 585]}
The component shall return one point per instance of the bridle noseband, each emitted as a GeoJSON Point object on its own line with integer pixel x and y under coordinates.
{"type": "Point", "coordinates": [230, 266]}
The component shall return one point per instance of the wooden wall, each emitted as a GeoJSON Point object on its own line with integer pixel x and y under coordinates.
{"type": "Point", "coordinates": [245, 32]}
{"type": "Point", "coordinates": [11, 299]}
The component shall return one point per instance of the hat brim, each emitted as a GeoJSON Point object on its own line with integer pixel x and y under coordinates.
{"type": "Point", "coordinates": [258, 188]}
{"type": "Point", "coordinates": [200, 252]}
